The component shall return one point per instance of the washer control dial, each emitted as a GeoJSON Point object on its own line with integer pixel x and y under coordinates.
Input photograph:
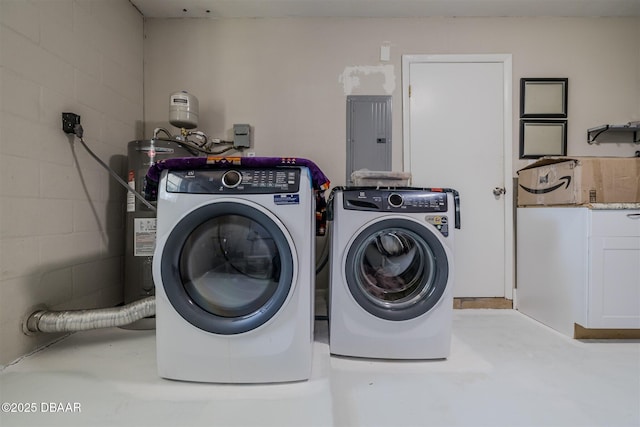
{"type": "Point", "coordinates": [395, 200]}
{"type": "Point", "coordinates": [231, 179]}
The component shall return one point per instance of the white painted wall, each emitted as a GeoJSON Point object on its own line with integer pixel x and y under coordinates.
{"type": "Point", "coordinates": [289, 77]}
{"type": "Point", "coordinates": [61, 216]}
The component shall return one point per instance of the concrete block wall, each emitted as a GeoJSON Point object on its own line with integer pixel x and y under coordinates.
{"type": "Point", "coordinates": [61, 215]}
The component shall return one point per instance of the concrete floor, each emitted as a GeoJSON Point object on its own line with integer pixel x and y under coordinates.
{"type": "Point", "coordinates": [505, 369]}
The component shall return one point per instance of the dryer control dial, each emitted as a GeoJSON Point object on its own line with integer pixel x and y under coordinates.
{"type": "Point", "coordinates": [395, 200]}
{"type": "Point", "coordinates": [231, 178]}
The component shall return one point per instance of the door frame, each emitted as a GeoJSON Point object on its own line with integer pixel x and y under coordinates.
{"type": "Point", "coordinates": [506, 61]}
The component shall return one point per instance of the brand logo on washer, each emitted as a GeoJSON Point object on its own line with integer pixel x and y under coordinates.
{"type": "Point", "coordinates": [286, 199]}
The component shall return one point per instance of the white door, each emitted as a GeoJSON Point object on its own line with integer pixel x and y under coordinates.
{"type": "Point", "coordinates": [457, 134]}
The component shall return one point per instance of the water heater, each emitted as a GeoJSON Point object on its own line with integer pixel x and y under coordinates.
{"type": "Point", "coordinates": [140, 226]}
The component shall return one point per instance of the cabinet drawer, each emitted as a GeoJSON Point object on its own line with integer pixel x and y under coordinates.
{"type": "Point", "coordinates": [615, 223]}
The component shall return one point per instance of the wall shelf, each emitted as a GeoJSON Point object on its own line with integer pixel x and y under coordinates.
{"type": "Point", "coordinates": [632, 128]}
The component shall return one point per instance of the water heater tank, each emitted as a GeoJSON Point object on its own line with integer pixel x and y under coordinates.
{"type": "Point", "coordinates": [183, 110]}
{"type": "Point", "coordinates": [140, 225]}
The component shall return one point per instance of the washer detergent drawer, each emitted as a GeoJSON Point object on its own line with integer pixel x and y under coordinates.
{"type": "Point", "coordinates": [613, 297]}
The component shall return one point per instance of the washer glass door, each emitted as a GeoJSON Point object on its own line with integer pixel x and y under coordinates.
{"type": "Point", "coordinates": [227, 268]}
{"type": "Point", "coordinates": [397, 269]}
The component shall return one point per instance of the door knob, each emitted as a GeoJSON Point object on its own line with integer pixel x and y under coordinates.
{"type": "Point", "coordinates": [498, 191]}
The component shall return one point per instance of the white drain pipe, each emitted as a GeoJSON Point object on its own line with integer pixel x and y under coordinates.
{"type": "Point", "coordinates": [84, 320]}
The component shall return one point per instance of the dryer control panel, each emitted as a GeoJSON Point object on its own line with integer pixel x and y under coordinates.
{"type": "Point", "coordinates": [236, 180]}
{"type": "Point", "coordinates": [395, 200]}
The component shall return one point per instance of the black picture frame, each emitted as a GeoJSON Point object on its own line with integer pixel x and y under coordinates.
{"type": "Point", "coordinates": [544, 97]}
{"type": "Point", "coordinates": [539, 138]}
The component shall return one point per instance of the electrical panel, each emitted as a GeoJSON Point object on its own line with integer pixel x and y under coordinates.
{"type": "Point", "coordinates": [368, 133]}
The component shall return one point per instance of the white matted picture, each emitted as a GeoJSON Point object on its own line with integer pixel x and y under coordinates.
{"type": "Point", "coordinates": [543, 97]}
{"type": "Point", "coordinates": [540, 138]}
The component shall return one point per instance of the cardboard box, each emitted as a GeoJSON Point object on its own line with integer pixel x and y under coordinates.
{"type": "Point", "coordinates": [579, 181]}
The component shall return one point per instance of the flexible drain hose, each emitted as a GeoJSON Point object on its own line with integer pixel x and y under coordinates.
{"type": "Point", "coordinates": [84, 320]}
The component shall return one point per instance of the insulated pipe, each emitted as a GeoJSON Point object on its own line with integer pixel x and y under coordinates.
{"type": "Point", "coordinates": [84, 320]}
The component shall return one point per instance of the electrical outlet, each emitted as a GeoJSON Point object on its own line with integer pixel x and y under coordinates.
{"type": "Point", "coordinates": [69, 122]}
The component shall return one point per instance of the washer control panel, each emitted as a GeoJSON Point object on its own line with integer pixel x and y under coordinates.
{"type": "Point", "coordinates": [395, 200]}
{"type": "Point", "coordinates": [236, 180]}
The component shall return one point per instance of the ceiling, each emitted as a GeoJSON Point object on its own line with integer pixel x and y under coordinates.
{"type": "Point", "coordinates": [382, 8]}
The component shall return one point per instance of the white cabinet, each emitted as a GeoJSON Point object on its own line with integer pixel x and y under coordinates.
{"type": "Point", "coordinates": [613, 299]}
{"type": "Point", "coordinates": [579, 265]}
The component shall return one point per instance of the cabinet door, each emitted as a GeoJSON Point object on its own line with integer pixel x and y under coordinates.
{"type": "Point", "coordinates": [614, 283]}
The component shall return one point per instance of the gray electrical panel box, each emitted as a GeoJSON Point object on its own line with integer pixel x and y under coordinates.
{"type": "Point", "coordinates": [241, 135]}
{"type": "Point", "coordinates": [368, 133]}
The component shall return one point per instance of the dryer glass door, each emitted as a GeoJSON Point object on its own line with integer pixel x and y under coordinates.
{"type": "Point", "coordinates": [397, 269]}
{"type": "Point", "coordinates": [230, 266]}
{"type": "Point", "coordinates": [227, 268]}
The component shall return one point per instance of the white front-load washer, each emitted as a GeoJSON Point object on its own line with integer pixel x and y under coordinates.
{"type": "Point", "coordinates": [234, 273]}
{"type": "Point", "coordinates": [391, 279]}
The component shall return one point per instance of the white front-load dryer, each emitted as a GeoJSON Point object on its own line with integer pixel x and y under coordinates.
{"type": "Point", "coordinates": [234, 273]}
{"type": "Point", "coordinates": [391, 278]}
